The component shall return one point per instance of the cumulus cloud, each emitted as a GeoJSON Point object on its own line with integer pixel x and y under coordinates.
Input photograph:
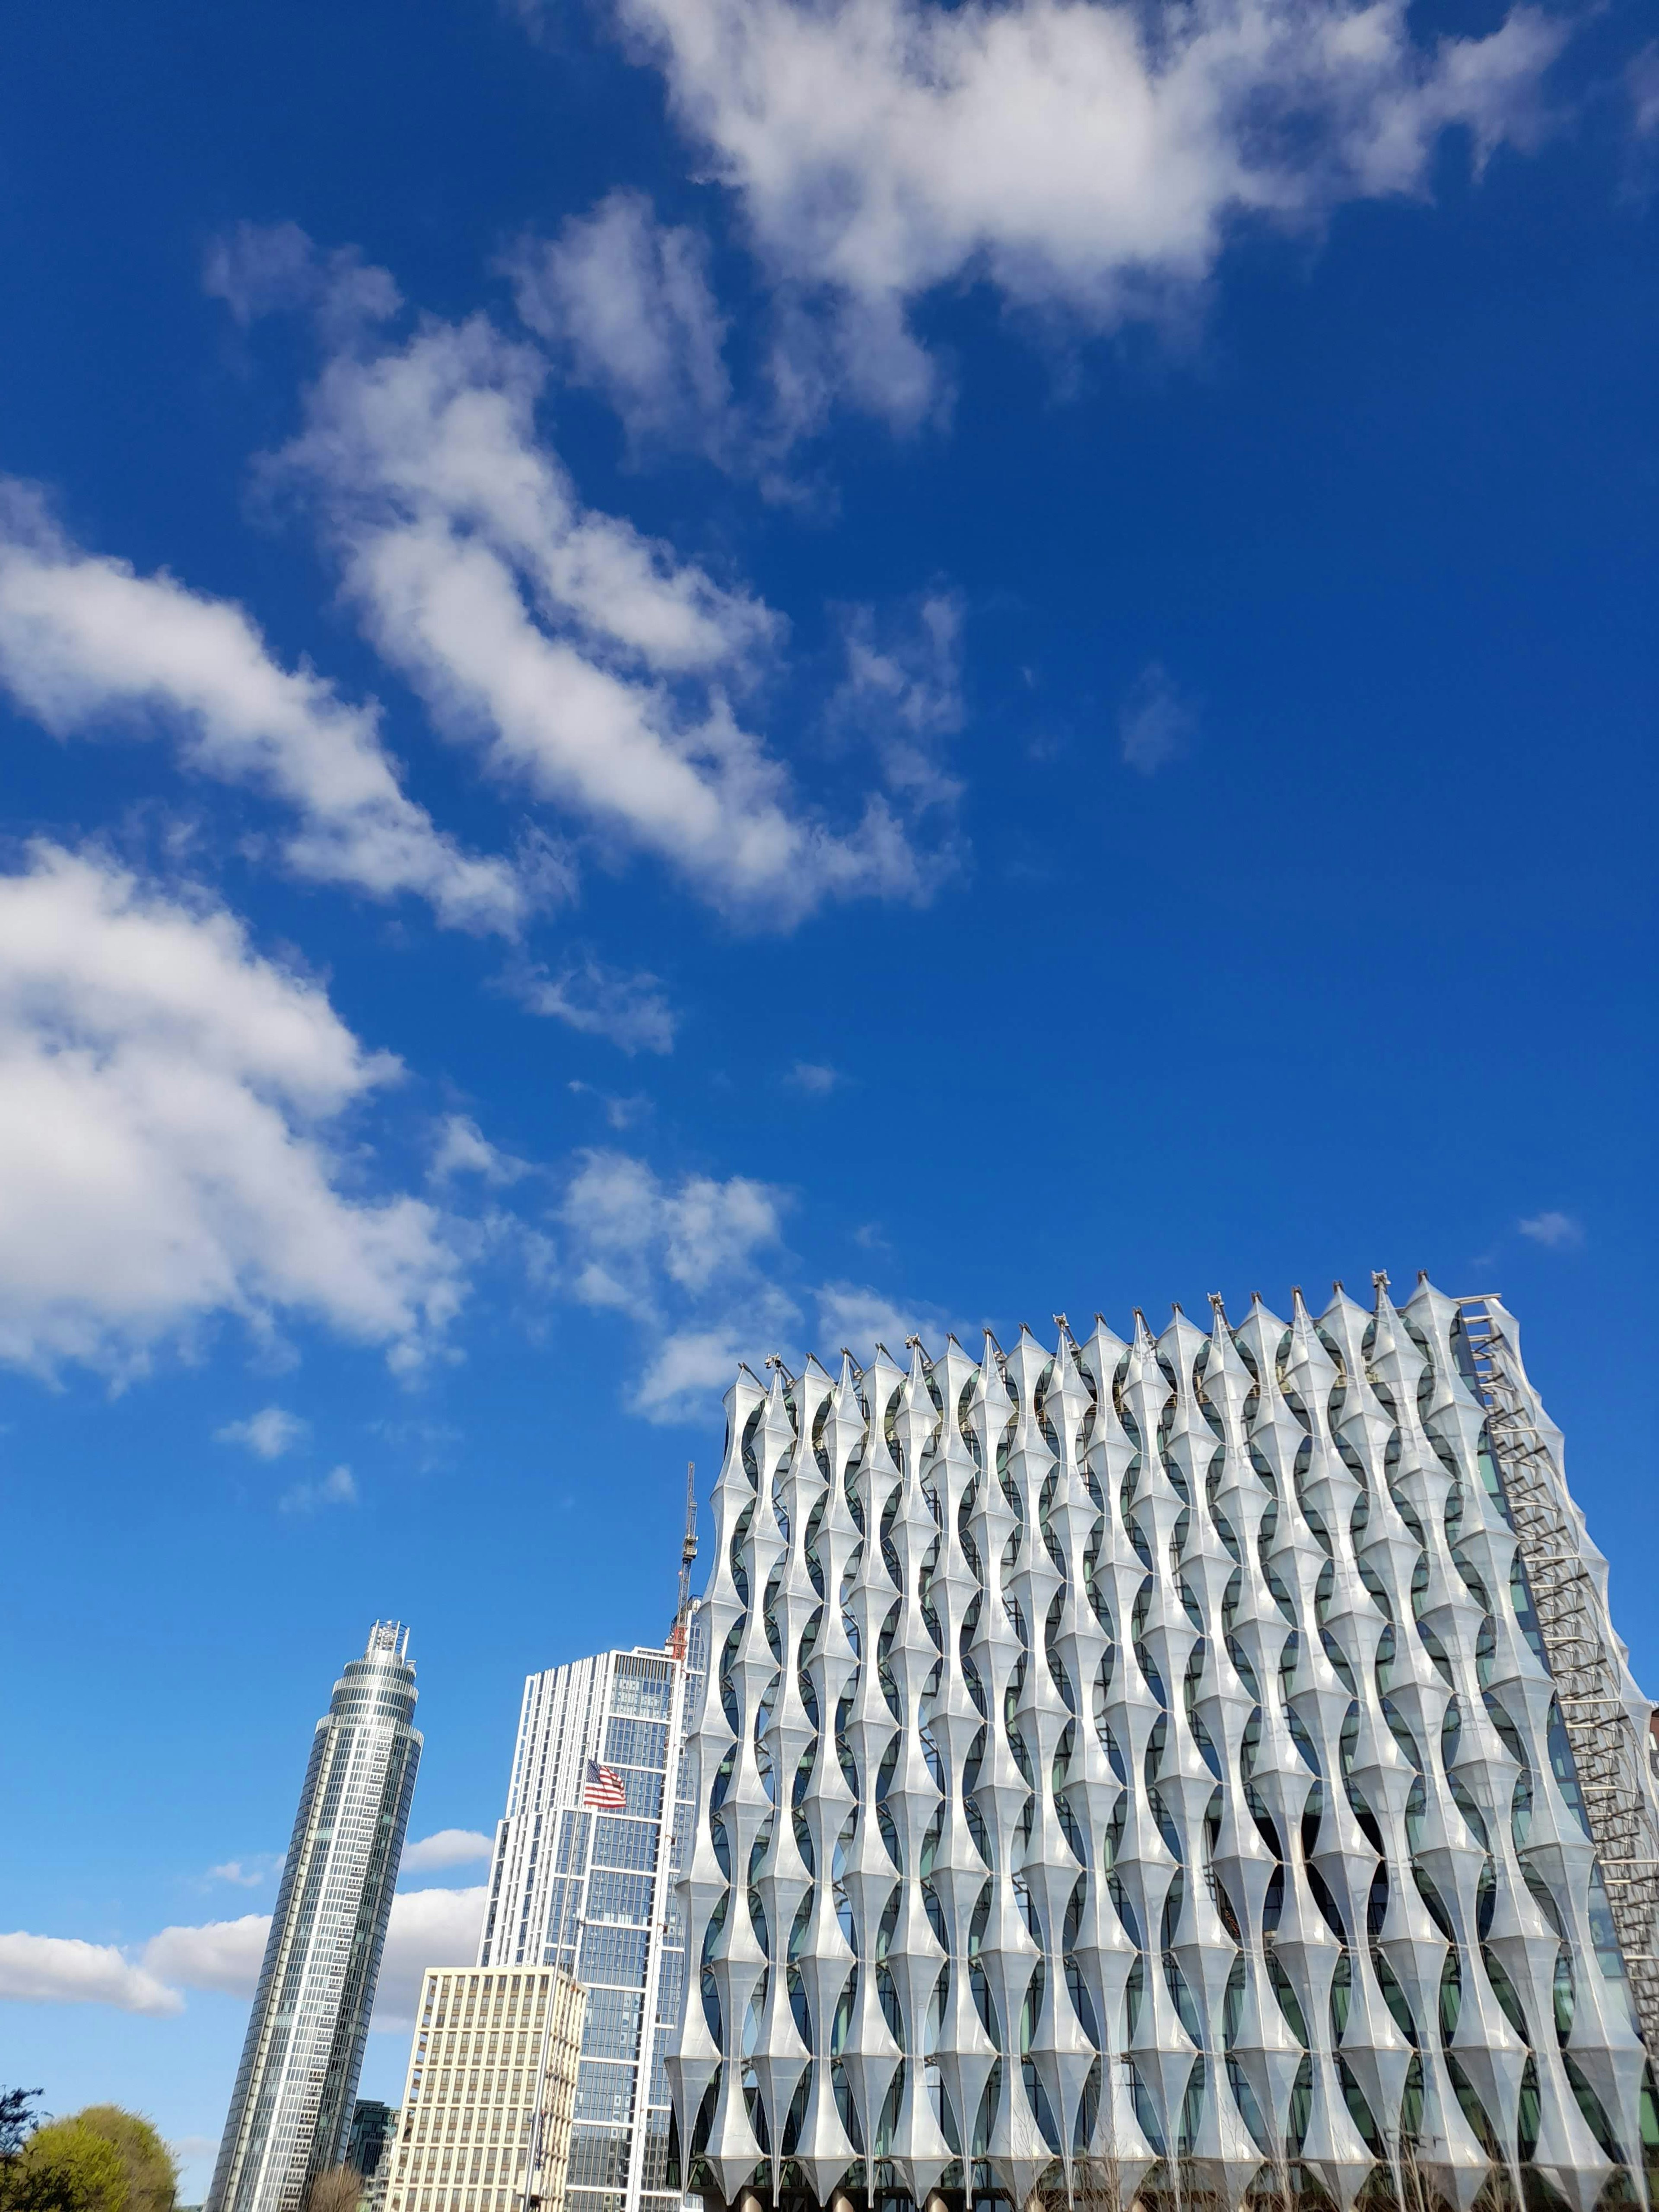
{"type": "Point", "coordinates": [62, 1970]}
{"type": "Point", "coordinates": [169, 1108]}
{"type": "Point", "coordinates": [585, 660]}
{"type": "Point", "coordinates": [221, 1955]}
{"type": "Point", "coordinates": [1155, 724]}
{"type": "Point", "coordinates": [338, 1487]}
{"type": "Point", "coordinates": [632, 1011]}
{"type": "Point", "coordinates": [1085, 154]}
{"type": "Point", "coordinates": [683, 1259]}
{"type": "Point", "coordinates": [626, 303]}
{"type": "Point", "coordinates": [89, 647]}
{"type": "Point", "coordinates": [267, 1434]}
{"type": "Point", "coordinates": [449, 1847]}
{"type": "Point", "coordinates": [1556, 1233]}
{"type": "Point", "coordinates": [428, 1928]}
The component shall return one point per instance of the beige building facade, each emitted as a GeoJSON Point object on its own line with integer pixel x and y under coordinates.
{"type": "Point", "coordinates": [485, 2120]}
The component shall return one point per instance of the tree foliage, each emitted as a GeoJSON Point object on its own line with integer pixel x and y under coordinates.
{"type": "Point", "coordinates": [151, 2170]}
{"type": "Point", "coordinates": [65, 2166]}
{"type": "Point", "coordinates": [102, 2159]}
{"type": "Point", "coordinates": [17, 2121]}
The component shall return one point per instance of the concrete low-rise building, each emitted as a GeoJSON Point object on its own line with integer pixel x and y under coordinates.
{"type": "Point", "coordinates": [485, 2121]}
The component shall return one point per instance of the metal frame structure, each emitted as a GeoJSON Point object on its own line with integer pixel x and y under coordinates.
{"type": "Point", "coordinates": [1598, 1700]}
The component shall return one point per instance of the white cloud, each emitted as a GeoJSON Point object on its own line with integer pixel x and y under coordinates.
{"type": "Point", "coordinates": [449, 1847]}
{"type": "Point", "coordinates": [1155, 724]}
{"type": "Point", "coordinates": [221, 1955]}
{"type": "Point", "coordinates": [87, 645]}
{"type": "Point", "coordinates": [625, 302]}
{"type": "Point", "coordinates": [1556, 1233]}
{"type": "Point", "coordinates": [234, 1870]}
{"type": "Point", "coordinates": [463, 1149]}
{"type": "Point", "coordinates": [904, 690]}
{"type": "Point", "coordinates": [194, 2147]}
{"type": "Point", "coordinates": [853, 1314]}
{"type": "Point", "coordinates": [811, 1077]}
{"type": "Point", "coordinates": [1642, 82]}
{"type": "Point", "coordinates": [167, 1102]}
{"type": "Point", "coordinates": [621, 1112]}
{"type": "Point", "coordinates": [632, 1011]}
{"type": "Point", "coordinates": [267, 1434]}
{"type": "Point", "coordinates": [262, 269]}
{"type": "Point", "coordinates": [62, 1970]}
{"type": "Point", "coordinates": [1091, 156]}
{"type": "Point", "coordinates": [585, 660]}
{"type": "Point", "coordinates": [428, 1928]}
{"type": "Point", "coordinates": [338, 1487]}
{"type": "Point", "coordinates": [684, 1262]}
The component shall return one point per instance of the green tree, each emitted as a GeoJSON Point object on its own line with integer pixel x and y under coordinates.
{"type": "Point", "coordinates": [65, 2166]}
{"type": "Point", "coordinates": [150, 2168]}
{"type": "Point", "coordinates": [17, 2121]}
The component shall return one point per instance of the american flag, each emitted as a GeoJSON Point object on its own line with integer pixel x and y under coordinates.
{"type": "Point", "coordinates": [603, 1788]}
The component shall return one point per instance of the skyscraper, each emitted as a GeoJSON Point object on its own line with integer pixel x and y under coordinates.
{"type": "Point", "coordinates": [582, 1878]}
{"type": "Point", "coordinates": [1210, 1766]}
{"type": "Point", "coordinates": [291, 2108]}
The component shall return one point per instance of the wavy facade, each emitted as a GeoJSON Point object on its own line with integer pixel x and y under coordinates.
{"type": "Point", "coordinates": [1135, 1768]}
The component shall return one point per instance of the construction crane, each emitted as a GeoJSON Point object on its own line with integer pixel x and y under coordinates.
{"type": "Point", "coordinates": [688, 1552]}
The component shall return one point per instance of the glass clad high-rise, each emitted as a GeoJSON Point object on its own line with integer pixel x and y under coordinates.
{"type": "Point", "coordinates": [291, 2109]}
{"type": "Point", "coordinates": [578, 1882]}
{"type": "Point", "coordinates": [1177, 1767]}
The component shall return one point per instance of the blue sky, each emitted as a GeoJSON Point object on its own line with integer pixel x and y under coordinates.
{"type": "Point", "coordinates": [686, 678]}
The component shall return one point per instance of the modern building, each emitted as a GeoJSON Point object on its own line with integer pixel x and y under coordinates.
{"type": "Point", "coordinates": [1210, 1769]}
{"type": "Point", "coordinates": [291, 2108]}
{"type": "Point", "coordinates": [484, 2126]}
{"type": "Point", "coordinates": [372, 2122]}
{"type": "Point", "coordinates": [368, 2150]}
{"type": "Point", "coordinates": [582, 1878]}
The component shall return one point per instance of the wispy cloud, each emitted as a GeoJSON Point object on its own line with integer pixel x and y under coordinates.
{"type": "Point", "coordinates": [244, 1875]}
{"type": "Point", "coordinates": [463, 1149]}
{"type": "Point", "coordinates": [1556, 1233]}
{"type": "Point", "coordinates": [626, 303]}
{"type": "Point", "coordinates": [860, 1317]}
{"type": "Point", "coordinates": [267, 1434]}
{"type": "Point", "coordinates": [1155, 724]}
{"type": "Point", "coordinates": [587, 662]}
{"type": "Point", "coordinates": [338, 1487]}
{"type": "Point", "coordinates": [687, 1261]}
{"type": "Point", "coordinates": [87, 645]}
{"type": "Point", "coordinates": [621, 1112]}
{"type": "Point", "coordinates": [631, 1011]}
{"type": "Point", "coordinates": [814, 1078]}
